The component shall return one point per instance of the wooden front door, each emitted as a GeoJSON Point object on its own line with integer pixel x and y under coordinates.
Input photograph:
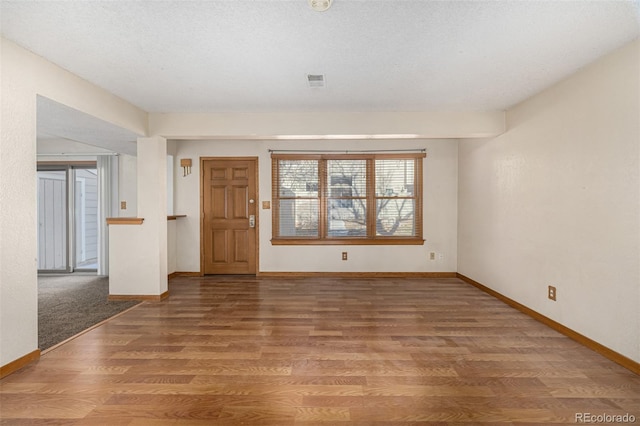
{"type": "Point", "coordinates": [229, 215]}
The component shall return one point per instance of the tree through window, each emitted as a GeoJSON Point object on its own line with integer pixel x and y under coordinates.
{"type": "Point", "coordinates": [347, 199]}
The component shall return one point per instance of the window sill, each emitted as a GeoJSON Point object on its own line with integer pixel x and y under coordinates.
{"type": "Point", "coordinates": [348, 241]}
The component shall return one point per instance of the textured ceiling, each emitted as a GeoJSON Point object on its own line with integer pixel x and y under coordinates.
{"type": "Point", "coordinates": [252, 56]}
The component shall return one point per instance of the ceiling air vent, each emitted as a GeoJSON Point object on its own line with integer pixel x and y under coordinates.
{"type": "Point", "coordinates": [315, 80]}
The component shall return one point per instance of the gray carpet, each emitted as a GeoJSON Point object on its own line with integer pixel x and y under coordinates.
{"type": "Point", "coordinates": [69, 304]}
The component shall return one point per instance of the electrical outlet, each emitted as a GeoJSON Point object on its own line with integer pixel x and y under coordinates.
{"type": "Point", "coordinates": [123, 205]}
{"type": "Point", "coordinates": [552, 293]}
{"type": "Point", "coordinates": [432, 256]}
{"type": "Point", "coordinates": [344, 255]}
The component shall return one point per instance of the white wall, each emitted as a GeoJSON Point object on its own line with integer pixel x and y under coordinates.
{"type": "Point", "coordinates": [440, 211]}
{"type": "Point", "coordinates": [138, 254]}
{"type": "Point", "coordinates": [128, 185]}
{"type": "Point", "coordinates": [172, 247]}
{"type": "Point", "coordinates": [24, 76]}
{"type": "Point", "coordinates": [172, 175]}
{"type": "Point", "coordinates": [555, 201]}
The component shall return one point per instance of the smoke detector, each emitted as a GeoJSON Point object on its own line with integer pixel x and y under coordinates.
{"type": "Point", "coordinates": [315, 80]}
{"type": "Point", "coordinates": [320, 5]}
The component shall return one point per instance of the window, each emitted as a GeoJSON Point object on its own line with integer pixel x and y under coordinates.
{"type": "Point", "coordinates": [68, 217]}
{"type": "Point", "coordinates": [347, 199]}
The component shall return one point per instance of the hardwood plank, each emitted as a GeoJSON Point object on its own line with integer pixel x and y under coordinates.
{"type": "Point", "coordinates": [322, 414]}
{"type": "Point", "coordinates": [41, 406]}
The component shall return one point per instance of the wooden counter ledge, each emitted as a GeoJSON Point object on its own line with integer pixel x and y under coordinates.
{"type": "Point", "coordinates": [125, 220]}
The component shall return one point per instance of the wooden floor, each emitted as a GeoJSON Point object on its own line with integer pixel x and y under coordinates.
{"type": "Point", "coordinates": [225, 350]}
